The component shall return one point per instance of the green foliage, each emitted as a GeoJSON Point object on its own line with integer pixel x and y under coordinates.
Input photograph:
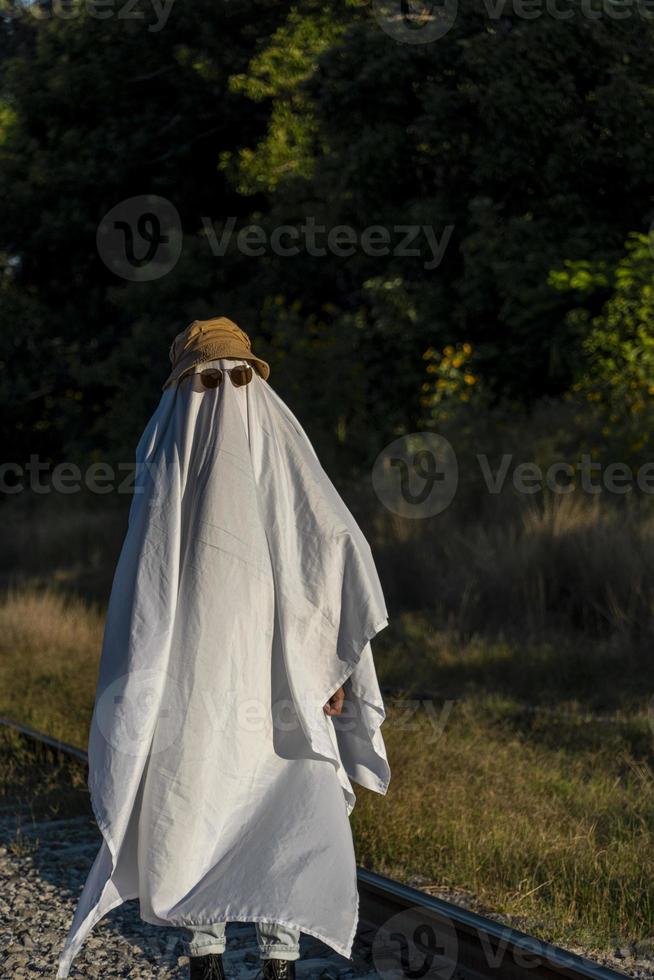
{"type": "Point", "coordinates": [95, 111]}
{"type": "Point", "coordinates": [530, 137]}
{"type": "Point", "coordinates": [277, 74]}
{"type": "Point", "coordinates": [618, 343]}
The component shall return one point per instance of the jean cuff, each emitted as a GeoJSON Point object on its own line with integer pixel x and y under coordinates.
{"type": "Point", "coordinates": [278, 952]}
{"type": "Point", "coordinates": [204, 949]}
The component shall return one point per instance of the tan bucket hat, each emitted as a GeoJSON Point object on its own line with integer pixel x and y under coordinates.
{"type": "Point", "coordinates": [207, 340]}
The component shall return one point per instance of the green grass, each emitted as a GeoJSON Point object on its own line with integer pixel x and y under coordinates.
{"type": "Point", "coordinates": [38, 783]}
{"type": "Point", "coordinates": [558, 838]}
{"type": "Point", "coordinates": [565, 671]}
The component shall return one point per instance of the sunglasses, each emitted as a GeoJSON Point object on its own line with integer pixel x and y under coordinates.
{"type": "Point", "coordinates": [239, 376]}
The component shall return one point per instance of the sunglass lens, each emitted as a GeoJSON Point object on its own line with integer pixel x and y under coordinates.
{"type": "Point", "coordinates": [241, 375]}
{"type": "Point", "coordinates": [211, 378]}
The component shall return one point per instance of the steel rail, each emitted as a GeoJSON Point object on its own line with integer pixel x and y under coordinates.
{"type": "Point", "coordinates": [54, 743]}
{"type": "Point", "coordinates": [472, 947]}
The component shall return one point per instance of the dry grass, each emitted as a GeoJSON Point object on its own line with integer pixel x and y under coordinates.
{"type": "Point", "coordinates": [49, 650]}
{"type": "Point", "coordinates": [38, 783]}
{"type": "Point", "coordinates": [68, 541]}
{"type": "Point", "coordinates": [558, 839]}
{"type": "Point", "coordinates": [566, 563]}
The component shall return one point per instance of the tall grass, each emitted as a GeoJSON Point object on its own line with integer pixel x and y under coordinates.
{"type": "Point", "coordinates": [565, 563]}
{"type": "Point", "coordinates": [49, 650]}
{"type": "Point", "coordinates": [69, 541]}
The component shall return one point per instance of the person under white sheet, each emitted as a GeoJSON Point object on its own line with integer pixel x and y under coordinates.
{"type": "Point", "coordinates": [239, 623]}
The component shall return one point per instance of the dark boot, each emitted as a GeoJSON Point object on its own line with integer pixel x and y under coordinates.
{"type": "Point", "coordinates": [209, 967]}
{"type": "Point", "coordinates": [279, 970]}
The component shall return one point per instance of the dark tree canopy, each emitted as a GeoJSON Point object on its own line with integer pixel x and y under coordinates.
{"type": "Point", "coordinates": [518, 144]}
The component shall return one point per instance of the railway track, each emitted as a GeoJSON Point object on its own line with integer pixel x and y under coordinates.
{"type": "Point", "coordinates": [407, 933]}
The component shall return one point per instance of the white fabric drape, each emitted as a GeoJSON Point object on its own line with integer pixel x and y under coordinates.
{"type": "Point", "coordinates": [244, 596]}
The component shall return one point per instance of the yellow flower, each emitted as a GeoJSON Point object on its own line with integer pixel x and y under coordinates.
{"type": "Point", "coordinates": [467, 348]}
{"type": "Point", "coordinates": [469, 379]}
{"type": "Point", "coordinates": [457, 362]}
{"type": "Point", "coordinates": [448, 351]}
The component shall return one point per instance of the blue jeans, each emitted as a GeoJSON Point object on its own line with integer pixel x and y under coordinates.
{"type": "Point", "coordinates": [276, 942]}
